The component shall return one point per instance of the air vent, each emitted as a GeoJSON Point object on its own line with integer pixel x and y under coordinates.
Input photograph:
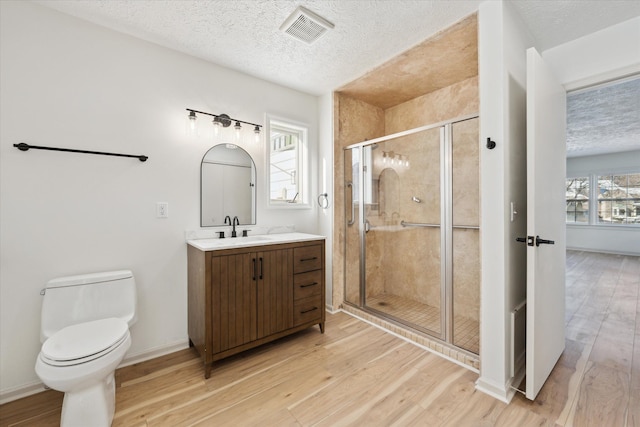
{"type": "Point", "coordinates": [305, 25]}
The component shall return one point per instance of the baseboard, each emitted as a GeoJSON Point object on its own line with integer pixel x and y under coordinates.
{"type": "Point", "coordinates": [603, 251]}
{"type": "Point", "coordinates": [15, 393]}
{"type": "Point", "coordinates": [329, 308]}
{"type": "Point", "coordinates": [503, 393]}
{"type": "Point", "coordinates": [153, 353]}
{"type": "Point", "coordinates": [25, 390]}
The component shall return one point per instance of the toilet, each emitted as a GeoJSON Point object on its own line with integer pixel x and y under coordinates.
{"type": "Point", "coordinates": [85, 335]}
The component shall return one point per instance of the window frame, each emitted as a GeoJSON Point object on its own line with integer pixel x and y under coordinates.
{"type": "Point", "coordinates": [593, 198]}
{"type": "Point", "coordinates": [597, 178]}
{"type": "Point", "coordinates": [302, 163]}
{"type": "Point", "coordinates": [588, 200]}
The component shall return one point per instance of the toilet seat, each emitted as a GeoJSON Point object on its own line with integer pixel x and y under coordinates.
{"type": "Point", "coordinates": [84, 342]}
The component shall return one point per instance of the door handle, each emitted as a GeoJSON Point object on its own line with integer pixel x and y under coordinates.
{"type": "Point", "coordinates": [530, 240]}
{"type": "Point", "coordinates": [353, 207]}
{"type": "Point", "coordinates": [540, 241]}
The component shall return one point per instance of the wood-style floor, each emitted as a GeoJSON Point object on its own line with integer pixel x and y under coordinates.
{"type": "Point", "coordinates": [356, 374]}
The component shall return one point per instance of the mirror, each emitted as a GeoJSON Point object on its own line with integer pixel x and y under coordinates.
{"type": "Point", "coordinates": [227, 186]}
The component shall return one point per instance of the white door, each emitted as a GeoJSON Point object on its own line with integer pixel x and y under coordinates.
{"type": "Point", "coordinates": [546, 157]}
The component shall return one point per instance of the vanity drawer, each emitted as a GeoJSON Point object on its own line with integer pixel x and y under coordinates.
{"type": "Point", "coordinates": [307, 284]}
{"type": "Point", "coordinates": [307, 258]}
{"type": "Point", "coordinates": [307, 310]}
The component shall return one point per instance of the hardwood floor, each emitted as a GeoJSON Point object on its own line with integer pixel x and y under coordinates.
{"type": "Point", "coordinates": [356, 374]}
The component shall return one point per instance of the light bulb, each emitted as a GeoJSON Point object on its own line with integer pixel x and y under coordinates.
{"type": "Point", "coordinates": [192, 124]}
{"type": "Point", "coordinates": [238, 128]}
{"type": "Point", "coordinates": [256, 131]}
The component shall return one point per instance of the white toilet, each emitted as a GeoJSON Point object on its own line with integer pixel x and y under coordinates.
{"type": "Point", "coordinates": [85, 335]}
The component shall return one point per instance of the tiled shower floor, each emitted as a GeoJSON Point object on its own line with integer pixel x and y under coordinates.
{"type": "Point", "coordinates": [465, 330]}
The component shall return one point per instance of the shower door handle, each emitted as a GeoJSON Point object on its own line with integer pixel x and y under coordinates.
{"type": "Point", "coordinates": [367, 226]}
{"type": "Point", "coordinates": [353, 207]}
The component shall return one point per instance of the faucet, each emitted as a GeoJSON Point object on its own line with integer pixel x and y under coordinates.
{"type": "Point", "coordinates": [227, 219]}
{"type": "Point", "coordinates": [236, 221]}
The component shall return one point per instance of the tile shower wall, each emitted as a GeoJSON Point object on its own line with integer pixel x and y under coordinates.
{"type": "Point", "coordinates": [357, 121]}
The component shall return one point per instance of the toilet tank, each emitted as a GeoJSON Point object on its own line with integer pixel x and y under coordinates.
{"type": "Point", "coordinates": [77, 299]}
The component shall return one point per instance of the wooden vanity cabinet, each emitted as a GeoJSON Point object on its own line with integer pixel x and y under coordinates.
{"type": "Point", "coordinates": [244, 297]}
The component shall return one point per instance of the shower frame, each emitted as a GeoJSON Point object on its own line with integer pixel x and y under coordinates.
{"type": "Point", "coordinates": [446, 229]}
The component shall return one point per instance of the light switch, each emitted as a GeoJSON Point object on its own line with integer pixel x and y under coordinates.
{"type": "Point", "coordinates": [162, 210]}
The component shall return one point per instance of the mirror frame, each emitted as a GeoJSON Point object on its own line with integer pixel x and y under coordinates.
{"type": "Point", "coordinates": [254, 179]}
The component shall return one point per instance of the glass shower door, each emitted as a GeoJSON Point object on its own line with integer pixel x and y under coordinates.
{"type": "Point", "coordinates": [352, 248]}
{"type": "Point", "coordinates": [465, 208]}
{"type": "Point", "coordinates": [402, 228]}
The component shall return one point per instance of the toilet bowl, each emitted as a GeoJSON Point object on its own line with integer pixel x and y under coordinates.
{"type": "Point", "coordinates": [80, 360]}
{"type": "Point", "coordinates": [85, 333]}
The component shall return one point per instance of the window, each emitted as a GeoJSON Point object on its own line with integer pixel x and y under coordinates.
{"type": "Point", "coordinates": [287, 163]}
{"type": "Point", "coordinates": [619, 199]}
{"type": "Point", "coordinates": [577, 190]}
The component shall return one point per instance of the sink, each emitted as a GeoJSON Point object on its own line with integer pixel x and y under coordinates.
{"type": "Point", "coordinates": [230, 242]}
{"type": "Point", "coordinates": [213, 244]}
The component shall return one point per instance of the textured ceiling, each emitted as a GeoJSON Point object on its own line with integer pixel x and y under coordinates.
{"type": "Point", "coordinates": [244, 35]}
{"type": "Point", "coordinates": [604, 119]}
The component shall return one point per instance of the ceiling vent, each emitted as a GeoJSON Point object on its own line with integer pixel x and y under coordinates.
{"type": "Point", "coordinates": [305, 25]}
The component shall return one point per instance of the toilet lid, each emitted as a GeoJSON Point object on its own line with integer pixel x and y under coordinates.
{"type": "Point", "coordinates": [84, 339]}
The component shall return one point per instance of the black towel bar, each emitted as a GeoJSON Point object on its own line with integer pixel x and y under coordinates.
{"type": "Point", "coordinates": [24, 147]}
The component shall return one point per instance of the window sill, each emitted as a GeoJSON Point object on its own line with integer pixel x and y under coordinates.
{"type": "Point", "coordinates": [287, 206]}
{"type": "Point", "coordinates": [625, 227]}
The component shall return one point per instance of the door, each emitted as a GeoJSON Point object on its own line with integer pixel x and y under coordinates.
{"type": "Point", "coordinates": [546, 142]}
{"type": "Point", "coordinates": [274, 277]}
{"type": "Point", "coordinates": [404, 233]}
{"type": "Point", "coordinates": [233, 301]}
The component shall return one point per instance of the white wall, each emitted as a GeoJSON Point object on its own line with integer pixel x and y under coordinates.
{"type": "Point", "coordinates": [69, 83]}
{"type": "Point", "coordinates": [503, 40]}
{"type": "Point", "coordinates": [603, 238]}
{"type": "Point", "coordinates": [607, 54]}
{"type": "Point", "coordinates": [325, 185]}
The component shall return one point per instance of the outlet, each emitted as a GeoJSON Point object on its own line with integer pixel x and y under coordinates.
{"type": "Point", "coordinates": [162, 210]}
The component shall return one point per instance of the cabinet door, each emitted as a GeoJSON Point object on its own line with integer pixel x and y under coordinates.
{"type": "Point", "coordinates": [275, 291]}
{"type": "Point", "coordinates": [233, 301]}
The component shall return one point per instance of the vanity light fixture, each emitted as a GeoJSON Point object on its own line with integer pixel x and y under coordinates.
{"type": "Point", "coordinates": [392, 158]}
{"type": "Point", "coordinates": [222, 121]}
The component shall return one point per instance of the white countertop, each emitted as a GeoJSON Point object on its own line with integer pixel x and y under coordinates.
{"type": "Point", "coordinates": [257, 240]}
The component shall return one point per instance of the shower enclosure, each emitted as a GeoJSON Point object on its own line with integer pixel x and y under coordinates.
{"type": "Point", "coordinates": [412, 235]}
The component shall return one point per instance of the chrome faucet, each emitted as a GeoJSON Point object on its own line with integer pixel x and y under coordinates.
{"type": "Point", "coordinates": [236, 221]}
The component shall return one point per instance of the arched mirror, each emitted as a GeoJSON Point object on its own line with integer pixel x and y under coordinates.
{"type": "Point", "coordinates": [227, 186]}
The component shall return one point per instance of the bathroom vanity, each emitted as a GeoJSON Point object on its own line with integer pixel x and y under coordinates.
{"type": "Point", "coordinates": [247, 291]}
